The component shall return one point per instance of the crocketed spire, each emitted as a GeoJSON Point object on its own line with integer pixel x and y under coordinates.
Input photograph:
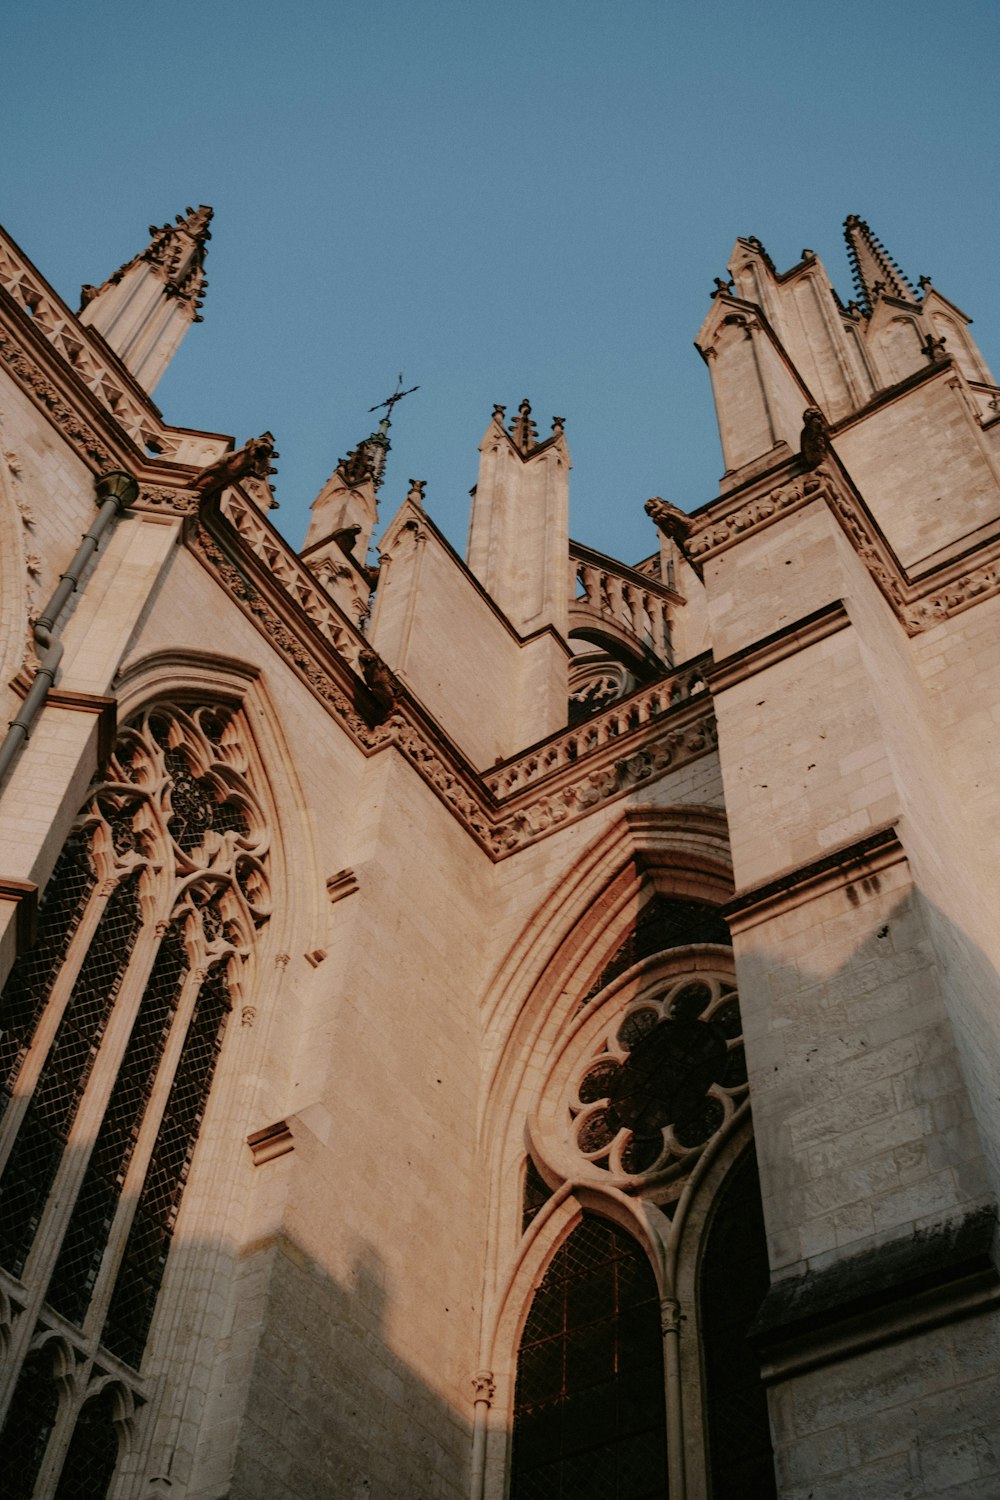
{"type": "Point", "coordinates": [875, 272]}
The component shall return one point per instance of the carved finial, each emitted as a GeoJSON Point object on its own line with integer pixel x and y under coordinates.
{"type": "Point", "coordinates": [415, 494]}
{"type": "Point", "coordinates": [875, 272]}
{"type": "Point", "coordinates": [722, 287]}
{"type": "Point", "coordinates": [924, 283]}
{"type": "Point", "coordinates": [368, 459]}
{"type": "Point", "coordinates": [815, 440]}
{"type": "Point", "coordinates": [558, 425]}
{"type": "Point", "coordinates": [499, 412]}
{"type": "Point", "coordinates": [252, 461]}
{"type": "Point", "coordinates": [523, 430]}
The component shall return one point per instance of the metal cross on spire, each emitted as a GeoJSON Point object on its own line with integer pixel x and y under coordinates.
{"type": "Point", "coordinates": [397, 395]}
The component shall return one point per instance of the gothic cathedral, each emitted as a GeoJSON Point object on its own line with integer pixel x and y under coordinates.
{"type": "Point", "coordinates": [521, 1027]}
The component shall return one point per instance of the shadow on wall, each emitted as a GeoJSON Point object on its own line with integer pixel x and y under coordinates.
{"type": "Point", "coordinates": [290, 1391]}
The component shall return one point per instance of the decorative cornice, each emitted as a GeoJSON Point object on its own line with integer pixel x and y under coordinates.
{"type": "Point", "coordinates": [80, 360]}
{"type": "Point", "coordinates": [863, 860]}
{"type": "Point", "coordinates": [637, 740]}
{"type": "Point", "coordinates": [718, 528]}
{"type": "Point", "coordinates": [918, 603]}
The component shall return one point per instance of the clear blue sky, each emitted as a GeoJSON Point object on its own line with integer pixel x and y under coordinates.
{"type": "Point", "coordinates": [500, 200]}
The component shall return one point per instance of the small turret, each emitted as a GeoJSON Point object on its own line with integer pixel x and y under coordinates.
{"type": "Point", "coordinates": [518, 533]}
{"type": "Point", "coordinates": [144, 310]}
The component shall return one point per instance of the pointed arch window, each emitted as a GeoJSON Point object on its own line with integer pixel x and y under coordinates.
{"type": "Point", "coordinates": [647, 1096]}
{"type": "Point", "coordinates": [112, 1027]}
{"type": "Point", "coordinates": [589, 1399]}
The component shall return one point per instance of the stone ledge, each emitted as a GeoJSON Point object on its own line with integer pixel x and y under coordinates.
{"type": "Point", "coordinates": [774, 648]}
{"type": "Point", "coordinates": [861, 860]}
{"type": "Point", "coordinates": [891, 1292]}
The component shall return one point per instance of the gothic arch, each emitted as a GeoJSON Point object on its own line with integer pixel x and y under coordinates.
{"type": "Point", "coordinates": [547, 1027]}
{"type": "Point", "coordinates": [182, 825]}
{"type": "Point", "coordinates": [681, 851]}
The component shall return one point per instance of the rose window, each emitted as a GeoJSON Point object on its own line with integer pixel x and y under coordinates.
{"type": "Point", "coordinates": [668, 1077]}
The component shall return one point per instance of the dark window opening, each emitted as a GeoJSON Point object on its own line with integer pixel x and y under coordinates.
{"type": "Point", "coordinates": [734, 1281]}
{"type": "Point", "coordinates": [589, 1402]}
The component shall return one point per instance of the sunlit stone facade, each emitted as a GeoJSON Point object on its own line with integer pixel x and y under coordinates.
{"type": "Point", "coordinates": [525, 1026]}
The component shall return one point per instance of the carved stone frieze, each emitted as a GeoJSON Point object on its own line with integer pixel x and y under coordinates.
{"type": "Point", "coordinates": [80, 351]}
{"type": "Point", "coordinates": [80, 435]}
{"type": "Point", "coordinates": [917, 605]}
{"type": "Point", "coordinates": [709, 534]}
{"type": "Point", "coordinates": [967, 590]}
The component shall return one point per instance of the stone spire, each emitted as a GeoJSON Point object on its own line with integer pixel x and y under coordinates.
{"type": "Point", "coordinates": [875, 272]}
{"type": "Point", "coordinates": [144, 310]}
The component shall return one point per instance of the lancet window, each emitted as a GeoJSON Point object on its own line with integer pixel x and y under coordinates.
{"type": "Point", "coordinates": [647, 1099]}
{"type": "Point", "coordinates": [111, 1028]}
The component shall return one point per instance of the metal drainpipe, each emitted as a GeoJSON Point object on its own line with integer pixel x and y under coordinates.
{"type": "Point", "coordinates": [115, 491]}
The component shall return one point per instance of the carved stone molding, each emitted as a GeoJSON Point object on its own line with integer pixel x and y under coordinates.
{"type": "Point", "coordinates": [157, 497]}
{"type": "Point", "coordinates": [608, 756]}
{"type": "Point", "coordinates": [917, 604]}
{"type": "Point", "coordinates": [79, 434]}
{"type": "Point", "coordinates": [712, 533]}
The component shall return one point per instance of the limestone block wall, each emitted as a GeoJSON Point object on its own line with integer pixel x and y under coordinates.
{"type": "Point", "coordinates": [919, 1420]}
{"type": "Point", "coordinates": [493, 691]}
{"type": "Point", "coordinates": [922, 464]}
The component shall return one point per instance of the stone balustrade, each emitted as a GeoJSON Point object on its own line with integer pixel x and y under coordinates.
{"type": "Point", "coordinates": [576, 744]}
{"type": "Point", "coordinates": [620, 601]}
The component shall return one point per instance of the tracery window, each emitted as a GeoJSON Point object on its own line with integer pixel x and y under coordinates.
{"type": "Point", "coordinates": [647, 1097]}
{"type": "Point", "coordinates": [111, 1027]}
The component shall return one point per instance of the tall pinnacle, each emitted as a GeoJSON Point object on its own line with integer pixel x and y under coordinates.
{"type": "Point", "coordinates": [875, 272]}
{"type": "Point", "coordinates": [145, 308]}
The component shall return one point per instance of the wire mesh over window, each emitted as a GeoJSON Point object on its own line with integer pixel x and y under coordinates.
{"type": "Point", "coordinates": [27, 989]}
{"type": "Point", "coordinates": [30, 1419]}
{"type": "Point", "coordinates": [665, 922]}
{"type": "Point", "coordinates": [86, 1237]}
{"type": "Point", "coordinates": [172, 833]}
{"type": "Point", "coordinates": [93, 1451]}
{"type": "Point", "coordinates": [134, 1297]}
{"type": "Point", "coordinates": [589, 1400]}
{"type": "Point", "coordinates": [41, 1140]}
{"type": "Point", "coordinates": [734, 1282]}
